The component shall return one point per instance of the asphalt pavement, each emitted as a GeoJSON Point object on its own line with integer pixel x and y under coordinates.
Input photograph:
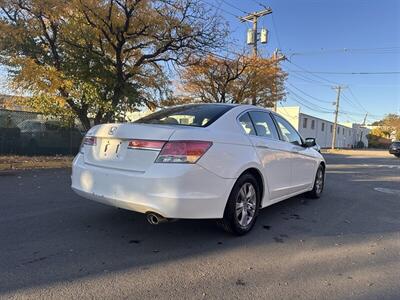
{"type": "Point", "coordinates": [54, 244]}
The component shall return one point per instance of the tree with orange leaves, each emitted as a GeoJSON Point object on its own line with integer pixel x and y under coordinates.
{"type": "Point", "coordinates": [244, 79]}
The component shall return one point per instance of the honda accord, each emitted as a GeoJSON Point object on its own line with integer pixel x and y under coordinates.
{"type": "Point", "coordinates": [199, 161]}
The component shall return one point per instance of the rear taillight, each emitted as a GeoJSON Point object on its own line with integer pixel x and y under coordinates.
{"type": "Point", "coordinates": [89, 140]}
{"type": "Point", "coordinates": [183, 151]}
{"type": "Point", "coordinates": [146, 145]}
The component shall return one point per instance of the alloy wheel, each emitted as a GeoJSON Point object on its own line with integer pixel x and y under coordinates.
{"type": "Point", "coordinates": [246, 204]}
{"type": "Point", "coordinates": [319, 181]}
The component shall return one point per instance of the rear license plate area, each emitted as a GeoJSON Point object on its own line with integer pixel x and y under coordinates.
{"type": "Point", "coordinates": [111, 149]}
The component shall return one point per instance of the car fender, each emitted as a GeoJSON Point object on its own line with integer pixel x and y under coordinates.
{"type": "Point", "coordinates": [236, 159]}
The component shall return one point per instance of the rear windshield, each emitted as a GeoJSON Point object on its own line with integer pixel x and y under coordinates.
{"type": "Point", "coordinates": [198, 115]}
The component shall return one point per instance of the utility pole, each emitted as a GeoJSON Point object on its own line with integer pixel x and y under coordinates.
{"type": "Point", "coordinates": [339, 89]}
{"type": "Point", "coordinates": [252, 36]}
{"type": "Point", "coordinates": [277, 57]}
{"type": "Point", "coordinates": [365, 119]}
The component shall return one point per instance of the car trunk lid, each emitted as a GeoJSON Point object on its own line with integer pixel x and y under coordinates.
{"type": "Point", "coordinates": [112, 140]}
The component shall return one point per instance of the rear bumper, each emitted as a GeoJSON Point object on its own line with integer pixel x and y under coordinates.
{"type": "Point", "coordinates": [171, 190]}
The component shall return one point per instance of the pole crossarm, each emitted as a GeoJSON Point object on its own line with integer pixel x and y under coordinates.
{"type": "Point", "coordinates": [258, 14]}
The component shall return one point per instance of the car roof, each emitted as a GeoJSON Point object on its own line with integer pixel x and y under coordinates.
{"type": "Point", "coordinates": [227, 104]}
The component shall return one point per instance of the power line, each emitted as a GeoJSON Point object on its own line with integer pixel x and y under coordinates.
{"type": "Point", "coordinates": [356, 99]}
{"type": "Point", "coordinates": [308, 79]}
{"type": "Point", "coordinates": [348, 73]}
{"type": "Point", "coordinates": [361, 114]}
{"type": "Point", "coordinates": [312, 106]}
{"type": "Point", "coordinates": [310, 82]}
{"type": "Point", "coordinates": [276, 32]}
{"type": "Point", "coordinates": [219, 8]}
{"type": "Point", "coordinates": [306, 71]}
{"type": "Point", "coordinates": [233, 6]}
{"type": "Point", "coordinates": [303, 92]}
{"type": "Point", "coordinates": [316, 108]}
{"type": "Point", "coordinates": [380, 50]}
{"type": "Point", "coordinates": [355, 105]}
{"type": "Point", "coordinates": [349, 101]}
{"type": "Point", "coordinates": [309, 103]}
{"type": "Point", "coordinates": [351, 118]}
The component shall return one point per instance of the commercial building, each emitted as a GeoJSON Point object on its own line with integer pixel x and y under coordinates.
{"type": "Point", "coordinates": [348, 134]}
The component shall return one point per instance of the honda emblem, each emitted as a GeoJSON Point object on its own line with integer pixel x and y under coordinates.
{"type": "Point", "coordinates": [112, 130]}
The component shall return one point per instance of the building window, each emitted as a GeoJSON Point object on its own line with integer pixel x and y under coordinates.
{"type": "Point", "coordinates": [305, 122]}
{"type": "Point", "coordinates": [312, 124]}
{"type": "Point", "coordinates": [322, 126]}
{"type": "Point", "coordinates": [343, 131]}
{"type": "Point", "coordinates": [331, 128]}
{"type": "Point", "coordinates": [338, 130]}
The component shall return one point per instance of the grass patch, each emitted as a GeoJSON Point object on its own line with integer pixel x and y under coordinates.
{"type": "Point", "coordinates": [16, 162]}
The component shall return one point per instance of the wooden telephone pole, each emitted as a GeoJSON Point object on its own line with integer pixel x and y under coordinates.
{"type": "Point", "coordinates": [252, 35]}
{"type": "Point", "coordinates": [253, 18]}
{"type": "Point", "coordinates": [339, 89]}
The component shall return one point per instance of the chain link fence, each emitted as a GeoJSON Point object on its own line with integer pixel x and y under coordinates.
{"type": "Point", "coordinates": [28, 133]}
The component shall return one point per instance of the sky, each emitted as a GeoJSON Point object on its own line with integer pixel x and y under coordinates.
{"type": "Point", "coordinates": [313, 35]}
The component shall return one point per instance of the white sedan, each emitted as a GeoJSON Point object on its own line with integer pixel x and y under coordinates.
{"type": "Point", "coordinates": [198, 161]}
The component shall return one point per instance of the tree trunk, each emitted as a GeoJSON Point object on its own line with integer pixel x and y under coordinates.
{"type": "Point", "coordinates": [82, 116]}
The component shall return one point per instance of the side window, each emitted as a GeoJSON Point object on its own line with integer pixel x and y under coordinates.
{"type": "Point", "coordinates": [247, 124]}
{"type": "Point", "coordinates": [264, 125]}
{"type": "Point", "coordinates": [305, 122]}
{"type": "Point", "coordinates": [289, 134]}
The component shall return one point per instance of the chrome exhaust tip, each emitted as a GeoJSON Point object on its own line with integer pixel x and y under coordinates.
{"type": "Point", "coordinates": [155, 219]}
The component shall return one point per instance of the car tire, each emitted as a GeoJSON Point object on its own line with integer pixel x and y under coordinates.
{"type": "Point", "coordinates": [319, 183]}
{"type": "Point", "coordinates": [242, 207]}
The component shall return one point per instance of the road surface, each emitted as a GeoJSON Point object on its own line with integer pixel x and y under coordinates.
{"type": "Point", "coordinates": [344, 245]}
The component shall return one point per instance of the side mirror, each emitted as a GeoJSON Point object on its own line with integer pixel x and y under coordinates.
{"type": "Point", "coordinates": [310, 142]}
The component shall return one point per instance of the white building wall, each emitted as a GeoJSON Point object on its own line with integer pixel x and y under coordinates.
{"type": "Point", "coordinates": [322, 130]}
{"type": "Point", "coordinates": [360, 133]}
{"type": "Point", "coordinates": [291, 114]}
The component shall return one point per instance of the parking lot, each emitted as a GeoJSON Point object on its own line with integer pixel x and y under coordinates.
{"type": "Point", "coordinates": [346, 244]}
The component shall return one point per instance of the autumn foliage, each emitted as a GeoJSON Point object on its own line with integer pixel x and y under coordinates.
{"type": "Point", "coordinates": [95, 59]}
{"type": "Point", "coordinates": [243, 79]}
